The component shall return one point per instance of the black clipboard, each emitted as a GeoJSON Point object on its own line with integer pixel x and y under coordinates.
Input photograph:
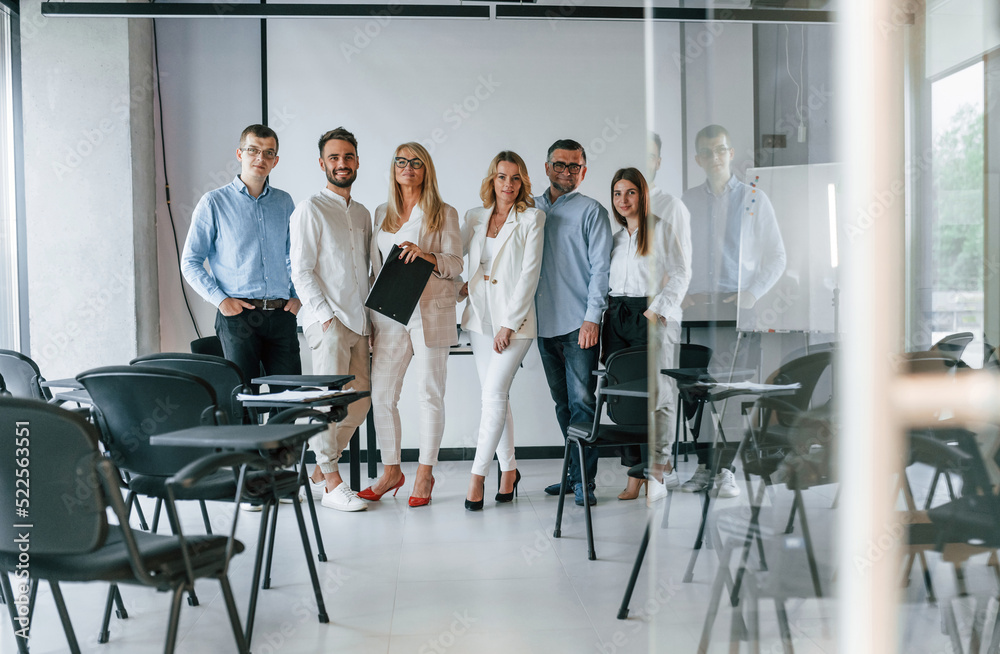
{"type": "Point", "coordinates": [398, 287]}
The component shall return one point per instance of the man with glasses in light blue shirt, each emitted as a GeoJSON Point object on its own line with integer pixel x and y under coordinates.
{"type": "Point", "coordinates": [571, 298]}
{"type": "Point", "coordinates": [241, 229]}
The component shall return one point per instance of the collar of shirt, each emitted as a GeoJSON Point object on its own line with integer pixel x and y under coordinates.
{"type": "Point", "coordinates": [544, 197]}
{"type": "Point", "coordinates": [730, 186]}
{"type": "Point", "coordinates": [337, 197]}
{"type": "Point", "coordinates": [240, 187]}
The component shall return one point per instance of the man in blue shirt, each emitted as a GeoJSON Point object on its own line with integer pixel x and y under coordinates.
{"type": "Point", "coordinates": [738, 257]}
{"type": "Point", "coordinates": [571, 297]}
{"type": "Point", "coordinates": [242, 230]}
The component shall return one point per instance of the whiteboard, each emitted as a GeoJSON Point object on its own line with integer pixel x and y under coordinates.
{"type": "Point", "coordinates": [802, 299]}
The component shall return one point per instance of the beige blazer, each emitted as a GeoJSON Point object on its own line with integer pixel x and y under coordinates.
{"type": "Point", "coordinates": [517, 260]}
{"type": "Point", "coordinates": [437, 303]}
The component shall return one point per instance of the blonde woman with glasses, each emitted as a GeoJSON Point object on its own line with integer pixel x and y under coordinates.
{"type": "Point", "coordinates": [416, 219]}
{"type": "Point", "coordinates": [503, 240]}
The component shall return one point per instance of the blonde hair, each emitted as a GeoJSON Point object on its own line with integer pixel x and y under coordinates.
{"type": "Point", "coordinates": [488, 191]}
{"type": "Point", "coordinates": [430, 198]}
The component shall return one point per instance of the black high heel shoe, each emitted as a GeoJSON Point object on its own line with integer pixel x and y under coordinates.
{"type": "Point", "coordinates": [476, 506]}
{"type": "Point", "coordinates": [508, 497]}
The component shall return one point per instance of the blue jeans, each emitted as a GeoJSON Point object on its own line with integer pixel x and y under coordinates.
{"type": "Point", "coordinates": [569, 372]}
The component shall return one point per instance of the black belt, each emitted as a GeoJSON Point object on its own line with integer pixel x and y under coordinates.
{"type": "Point", "coordinates": [266, 305]}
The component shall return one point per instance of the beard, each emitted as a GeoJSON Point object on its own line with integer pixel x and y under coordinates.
{"type": "Point", "coordinates": [567, 187]}
{"type": "Point", "coordinates": [345, 182]}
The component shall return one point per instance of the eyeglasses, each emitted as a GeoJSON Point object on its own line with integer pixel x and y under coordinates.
{"type": "Point", "coordinates": [415, 164]}
{"type": "Point", "coordinates": [719, 151]}
{"type": "Point", "coordinates": [253, 152]}
{"type": "Point", "coordinates": [559, 167]}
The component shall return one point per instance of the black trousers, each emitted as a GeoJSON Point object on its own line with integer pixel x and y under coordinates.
{"type": "Point", "coordinates": [260, 342]}
{"type": "Point", "coordinates": [625, 326]}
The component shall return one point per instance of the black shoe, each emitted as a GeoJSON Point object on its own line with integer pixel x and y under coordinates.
{"type": "Point", "coordinates": [475, 506]}
{"type": "Point", "coordinates": [509, 497]}
{"type": "Point", "coordinates": [578, 494]}
{"type": "Point", "coordinates": [553, 489]}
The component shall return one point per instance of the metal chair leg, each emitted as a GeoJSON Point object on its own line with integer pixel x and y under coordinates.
{"type": "Point", "coordinates": [320, 606]}
{"type": "Point", "coordinates": [156, 515]}
{"type": "Point", "coordinates": [304, 485]}
{"type": "Point", "coordinates": [257, 564]}
{"type": "Point", "coordinates": [204, 517]}
{"type": "Point", "coordinates": [174, 621]}
{"type": "Point", "coordinates": [57, 595]}
{"type": "Point", "coordinates": [105, 633]}
{"type": "Point", "coordinates": [591, 554]}
{"type": "Point", "coordinates": [557, 532]}
{"type": "Point", "coordinates": [234, 617]}
{"type": "Point", "coordinates": [623, 609]}
{"type": "Point", "coordinates": [8, 594]}
{"type": "Point", "coordinates": [270, 547]}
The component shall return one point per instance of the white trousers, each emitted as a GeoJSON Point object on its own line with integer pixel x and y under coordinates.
{"type": "Point", "coordinates": [395, 346]}
{"type": "Point", "coordinates": [496, 426]}
{"type": "Point", "coordinates": [339, 351]}
{"type": "Point", "coordinates": [665, 416]}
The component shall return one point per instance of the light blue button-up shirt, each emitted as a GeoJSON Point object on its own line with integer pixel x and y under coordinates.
{"type": "Point", "coordinates": [735, 240]}
{"type": "Point", "coordinates": [576, 260]}
{"type": "Point", "coordinates": [246, 242]}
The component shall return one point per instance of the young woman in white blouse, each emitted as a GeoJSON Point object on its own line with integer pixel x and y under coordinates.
{"type": "Point", "coordinates": [503, 240]}
{"type": "Point", "coordinates": [650, 271]}
{"type": "Point", "coordinates": [416, 219]}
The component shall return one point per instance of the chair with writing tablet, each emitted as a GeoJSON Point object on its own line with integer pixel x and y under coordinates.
{"type": "Point", "coordinates": [63, 534]}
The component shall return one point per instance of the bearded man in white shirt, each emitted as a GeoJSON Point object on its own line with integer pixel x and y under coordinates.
{"type": "Point", "coordinates": [330, 236]}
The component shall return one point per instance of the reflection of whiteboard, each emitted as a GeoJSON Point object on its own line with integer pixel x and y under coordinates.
{"type": "Point", "coordinates": [802, 300]}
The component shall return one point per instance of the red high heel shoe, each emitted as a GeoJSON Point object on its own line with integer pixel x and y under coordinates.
{"type": "Point", "coordinates": [422, 501]}
{"type": "Point", "coordinates": [372, 496]}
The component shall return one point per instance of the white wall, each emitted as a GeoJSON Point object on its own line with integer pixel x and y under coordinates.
{"type": "Point", "coordinates": [536, 82]}
{"type": "Point", "coordinates": [88, 191]}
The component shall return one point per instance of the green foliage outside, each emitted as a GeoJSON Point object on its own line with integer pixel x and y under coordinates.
{"type": "Point", "coordinates": [958, 202]}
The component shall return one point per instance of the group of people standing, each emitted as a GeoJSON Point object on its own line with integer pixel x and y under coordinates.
{"type": "Point", "coordinates": [551, 268]}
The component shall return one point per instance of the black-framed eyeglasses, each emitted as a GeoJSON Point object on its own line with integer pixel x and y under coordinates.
{"type": "Point", "coordinates": [253, 152]}
{"type": "Point", "coordinates": [560, 166]}
{"type": "Point", "coordinates": [402, 162]}
{"type": "Point", "coordinates": [719, 151]}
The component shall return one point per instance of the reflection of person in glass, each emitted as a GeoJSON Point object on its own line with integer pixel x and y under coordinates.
{"type": "Point", "coordinates": [503, 239]}
{"type": "Point", "coordinates": [739, 254]}
{"type": "Point", "coordinates": [650, 269]}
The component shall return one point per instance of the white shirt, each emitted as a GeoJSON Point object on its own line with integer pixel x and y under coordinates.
{"type": "Point", "coordinates": [666, 281]}
{"type": "Point", "coordinates": [408, 231]}
{"type": "Point", "coordinates": [629, 272]}
{"type": "Point", "coordinates": [330, 241]}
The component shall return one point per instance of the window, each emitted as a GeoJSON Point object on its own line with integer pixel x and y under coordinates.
{"type": "Point", "coordinates": [9, 310]}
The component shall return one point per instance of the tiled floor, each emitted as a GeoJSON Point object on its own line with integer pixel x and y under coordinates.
{"type": "Point", "coordinates": [441, 579]}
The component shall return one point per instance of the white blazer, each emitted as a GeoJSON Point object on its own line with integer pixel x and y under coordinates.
{"type": "Point", "coordinates": [517, 261]}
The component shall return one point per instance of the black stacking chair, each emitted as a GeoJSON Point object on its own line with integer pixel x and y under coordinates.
{"type": "Point", "coordinates": [22, 376]}
{"type": "Point", "coordinates": [210, 345]}
{"type": "Point", "coordinates": [629, 417]}
{"type": "Point", "coordinates": [72, 540]}
{"type": "Point", "coordinates": [226, 378]}
{"type": "Point", "coordinates": [132, 403]}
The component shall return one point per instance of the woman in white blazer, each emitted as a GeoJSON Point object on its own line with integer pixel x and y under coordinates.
{"type": "Point", "coordinates": [416, 219]}
{"type": "Point", "coordinates": [503, 240]}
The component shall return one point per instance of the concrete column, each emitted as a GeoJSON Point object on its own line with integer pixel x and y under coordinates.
{"type": "Point", "coordinates": [89, 190]}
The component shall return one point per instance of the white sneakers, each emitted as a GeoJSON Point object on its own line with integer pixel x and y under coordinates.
{"type": "Point", "coordinates": [657, 490]}
{"type": "Point", "coordinates": [701, 480]}
{"type": "Point", "coordinates": [725, 484]}
{"type": "Point", "coordinates": [342, 498]}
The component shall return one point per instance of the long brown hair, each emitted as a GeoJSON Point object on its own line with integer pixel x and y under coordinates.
{"type": "Point", "coordinates": [633, 175]}
{"type": "Point", "coordinates": [488, 191]}
{"type": "Point", "coordinates": [430, 198]}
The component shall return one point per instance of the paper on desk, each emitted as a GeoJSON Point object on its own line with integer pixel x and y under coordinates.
{"type": "Point", "coordinates": [747, 386]}
{"type": "Point", "coordinates": [292, 396]}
